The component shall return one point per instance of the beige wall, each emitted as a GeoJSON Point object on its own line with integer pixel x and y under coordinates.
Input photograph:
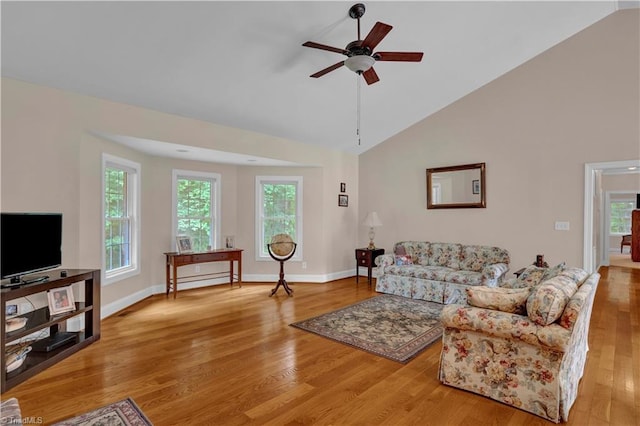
{"type": "Point", "coordinates": [52, 161]}
{"type": "Point", "coordinates": [535, 127]}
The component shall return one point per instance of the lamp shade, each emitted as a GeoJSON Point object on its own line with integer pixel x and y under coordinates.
{"type": "Point", "coordinates": [359, 63]}
{"type": "Point", "coordinates": [372, 220]}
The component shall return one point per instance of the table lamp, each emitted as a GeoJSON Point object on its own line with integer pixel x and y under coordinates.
{"type": "Point", "coordinates": [372, 221]}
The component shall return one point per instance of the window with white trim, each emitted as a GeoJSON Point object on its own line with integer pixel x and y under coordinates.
{"type": "Point", "coordinates": [121, 218]}
{"type": "Point", "coordinates": [278, 211]}
{"type": "Point", "coordinates": [620, 216]}
{"type": "Point", "coordinates": [196, 208]}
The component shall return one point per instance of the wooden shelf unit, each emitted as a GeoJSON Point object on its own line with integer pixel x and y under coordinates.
{"type": "Point", "coordinates": [40, 319]}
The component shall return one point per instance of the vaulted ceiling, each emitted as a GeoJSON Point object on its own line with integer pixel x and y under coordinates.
{"type": "Point", "coordinates": [242, 64]}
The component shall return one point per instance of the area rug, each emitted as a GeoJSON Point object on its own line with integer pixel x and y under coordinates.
{"type": "Point", "coordinates": [390, 326]}
{"type": "Point", "coordinates": [121, 413]}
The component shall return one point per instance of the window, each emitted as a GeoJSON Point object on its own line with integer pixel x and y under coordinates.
{"type": "Point", "coordinates": [620, 216]}
{"type": "Point", "coordinates": [278, 211]}
{"type": "Point", "coordinates": [196, 204]}
{"type": "Point", "coordinates": [121, 211]}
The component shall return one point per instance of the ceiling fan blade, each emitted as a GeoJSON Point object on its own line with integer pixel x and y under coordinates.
{"type": "Point", "coordinates": [327, 70]}
{"type": "Point", "coordinates": [325, 47]}
{"type": "Point", "coordinates": [399, 56]}
{"type": "Point", "coordinates": [370, 76]}
{"type": "Point", "coordinates": [375, 36]}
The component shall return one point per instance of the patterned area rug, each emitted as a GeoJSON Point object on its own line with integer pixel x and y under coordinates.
{"type": "Point", "coordinates": [121, 413]}
{"type": "Point", "coordinates": [391, 326]}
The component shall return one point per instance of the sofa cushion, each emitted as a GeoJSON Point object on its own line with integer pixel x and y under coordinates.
{"type": "Point", "coordinates": [497, 298]}
{"type": "Point", "coordinates": [548, 299]}
{"type": "Point", "coordinates": [474, 257]}
{"type": "Point", "coordinates": [445, 254]}
{"type": "Point", "coordinates": [435, 273]}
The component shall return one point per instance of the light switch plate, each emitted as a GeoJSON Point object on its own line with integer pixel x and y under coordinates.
{"type": "Point", "coordinates": [562, 226]}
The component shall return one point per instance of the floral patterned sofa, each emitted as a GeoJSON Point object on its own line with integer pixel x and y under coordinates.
{"type": "Point", "coordinates": [525, 347]}
{"type": "Point", "coordinates": [439, 272]}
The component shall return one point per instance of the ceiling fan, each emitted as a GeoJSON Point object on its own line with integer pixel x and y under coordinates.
{"type": "Point", "coordinates": [360, 56]}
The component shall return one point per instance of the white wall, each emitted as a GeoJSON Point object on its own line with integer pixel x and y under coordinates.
{"type": "Point", "coordinates": [535, 128]}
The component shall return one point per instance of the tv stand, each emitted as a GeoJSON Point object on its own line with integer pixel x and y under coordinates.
{"type": "Point", "coordinates": [40, 319]}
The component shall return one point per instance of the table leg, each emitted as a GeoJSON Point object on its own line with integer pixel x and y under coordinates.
{"type": "Point", "coordinates": [168, 277]}
{"type": "Point", "coordinates": [231, 273]}
{"type": "Point", "coordinates": [175, 280]}
{"type": "Point", "coordinates": [240, 270]}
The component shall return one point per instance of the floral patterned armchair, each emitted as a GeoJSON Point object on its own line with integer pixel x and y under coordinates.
{"type": "Point", "coordinates": [525, 347]}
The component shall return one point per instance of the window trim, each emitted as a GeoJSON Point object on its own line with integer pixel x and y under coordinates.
{"type": "Point", "coordinates": [261, 180]}
{"type": "Point", "coordinates": [134, 172]}
{"type": "Point", "coordinates": [216, 180]}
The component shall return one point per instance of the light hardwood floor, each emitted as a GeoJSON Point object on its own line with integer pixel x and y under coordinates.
{"type": "Point", "coordinates": [217, 356]}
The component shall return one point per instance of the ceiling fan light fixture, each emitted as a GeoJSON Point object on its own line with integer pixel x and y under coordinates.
{"type": "Point", "coordinates": [359, 63]}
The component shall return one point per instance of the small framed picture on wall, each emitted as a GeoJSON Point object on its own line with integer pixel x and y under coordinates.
{"type": "Point", "coordinates": [343, 200]}
{"type": "Point", "coordinates": [343, 187]}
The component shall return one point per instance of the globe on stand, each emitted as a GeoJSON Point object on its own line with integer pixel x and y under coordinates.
{"type": "Point", "coordinates": [281, 249]}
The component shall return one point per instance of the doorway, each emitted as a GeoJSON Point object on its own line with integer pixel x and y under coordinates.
{"type": "Point", "coordinates": [595, 251]}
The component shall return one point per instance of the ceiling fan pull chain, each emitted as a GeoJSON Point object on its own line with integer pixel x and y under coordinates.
{"type": "Point", "coordinates": [358, 110]}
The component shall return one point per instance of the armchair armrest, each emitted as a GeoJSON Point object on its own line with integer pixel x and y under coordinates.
{"type": "Point", "coordinates": [505, 325]}
{"type": "Point", "coordinates": [385, 260]}
{"type": "Point", "coordinates": [492, 274]}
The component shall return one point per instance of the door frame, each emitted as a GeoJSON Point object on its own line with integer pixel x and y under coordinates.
{"type": "Point", "coordinates": [592, 255]}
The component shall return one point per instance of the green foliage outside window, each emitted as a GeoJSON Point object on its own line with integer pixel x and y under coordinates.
{"type": "Point", "coordinates": [117, 223]}
{"type": "Point", "coordinates": [280, 211]}
{"type": "Point", "coordinates": [194, 212]}
{"type": "Point", "coordinates": [620, 217]}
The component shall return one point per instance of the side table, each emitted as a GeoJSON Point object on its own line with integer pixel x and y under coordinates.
{"type": "Point", "coordinates": [366, 258]}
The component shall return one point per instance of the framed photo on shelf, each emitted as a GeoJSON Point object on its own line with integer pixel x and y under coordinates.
{"type": "Point", "coordinates": [184, 245]}
{"type": "Point", "coordinates": [61, 300]}
{"type": "Point", "coordinates": [343, 200]}
{"type": "Point", "coordinates": [475, 185]}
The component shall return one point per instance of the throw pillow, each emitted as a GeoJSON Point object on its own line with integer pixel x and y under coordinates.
{"type": "Point", "coordinates": [510, 300]}
{"type": "Point", "coordinates": [403, 260]}
{"type": "Point", "coordinates": [578, 275]}
{"type": "Point", "coordinates": [552, 272]}
{"type": "Point", "coordinates": [548, 300]}
{"type": "Point", "coordinates": [532, 275]}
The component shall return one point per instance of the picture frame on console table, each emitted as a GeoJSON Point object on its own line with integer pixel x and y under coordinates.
{"type": "Point", "coordinates": [475, 186]}
{"type": "Point", "coordinates": [61, 300]}
{"type": "Point", "coordinates": [183, 243]}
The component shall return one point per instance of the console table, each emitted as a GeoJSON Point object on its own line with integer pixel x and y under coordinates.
{"type": "Point", "coordinates": [175, 260]}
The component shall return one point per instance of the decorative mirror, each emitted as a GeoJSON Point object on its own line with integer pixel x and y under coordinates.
{"type": "Point", "coordinates": [456, 187]}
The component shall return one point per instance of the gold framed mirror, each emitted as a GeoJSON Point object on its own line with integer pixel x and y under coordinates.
{"type": "Point", "coordinates": [456, 187]}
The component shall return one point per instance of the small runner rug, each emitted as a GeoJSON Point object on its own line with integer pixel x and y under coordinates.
{"type": "Point", "coordinates": [394, 327]}
{"type": "Point", "coordinates": [121, 413]}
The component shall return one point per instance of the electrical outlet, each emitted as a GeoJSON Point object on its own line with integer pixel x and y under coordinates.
{"type": "Point", "coordinates": [562, 226]}
{"type": "Point", "coordinates": [304, 265]}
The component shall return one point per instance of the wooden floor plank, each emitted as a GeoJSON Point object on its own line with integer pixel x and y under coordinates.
{"type": "Point", "coordinates": [229, 356]}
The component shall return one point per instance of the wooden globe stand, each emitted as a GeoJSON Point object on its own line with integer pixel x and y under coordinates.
{"type": "Point", "coordinates": [282, 282]}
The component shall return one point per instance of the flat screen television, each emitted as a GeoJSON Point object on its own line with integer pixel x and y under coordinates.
{"type": "Point", "coordinates": [29, 242]}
